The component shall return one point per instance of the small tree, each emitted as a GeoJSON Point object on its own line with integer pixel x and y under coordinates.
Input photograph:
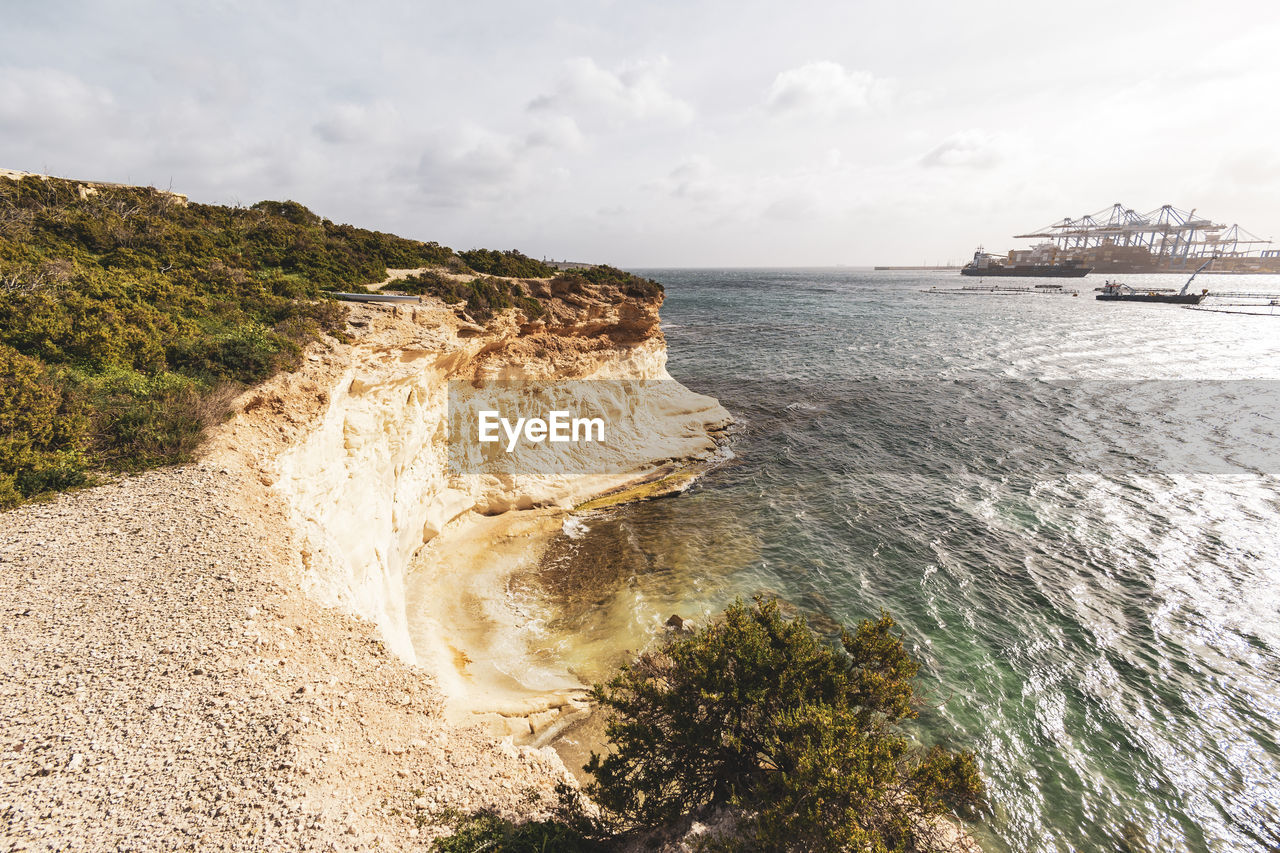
{"type": "Point", "coordinates": [757, 713]}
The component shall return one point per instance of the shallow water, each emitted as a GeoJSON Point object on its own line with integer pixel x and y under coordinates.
{"type": "Point", "coordinates": [1072, 508]}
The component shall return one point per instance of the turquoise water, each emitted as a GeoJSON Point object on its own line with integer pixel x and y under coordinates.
{"type": "Point", "coordinates": [1072, 509]}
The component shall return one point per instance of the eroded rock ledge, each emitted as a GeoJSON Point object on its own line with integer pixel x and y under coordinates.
{"type": "Point", "coordinates": [366, 481]}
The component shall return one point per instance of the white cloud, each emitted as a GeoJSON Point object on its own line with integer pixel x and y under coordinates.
{"type": "Point", "coordinates": [555, 132]}
{"type": "Point", "coordinates": [797, 205]}
{"type": "Point", "coordinates": [695, 180]}
{"type": "Point", "coordinates": [470, 163]}
{"type": "Point", "coordinates": [465, 123]}
{"type": "Point", "coordinates": [969, 149]}
{"type": "Point", "coordinates": [348, 122]}
{"type": "Point", "coordinates": [826, 89]}
{"type": "Point", "coordinates": [635, 92]}
{"type": "Point", "coordinates": [49, 99]}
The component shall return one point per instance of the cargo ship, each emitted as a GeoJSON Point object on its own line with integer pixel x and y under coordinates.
{"type": "Point", "coordinates": [985, 264]}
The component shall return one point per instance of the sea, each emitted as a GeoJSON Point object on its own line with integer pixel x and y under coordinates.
{"type": "Point", "coordinates": [1070, 507]}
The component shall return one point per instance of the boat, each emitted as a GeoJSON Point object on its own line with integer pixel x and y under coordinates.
{"type": "Point", "coordinates": [1117, 291]}
{"type": "Point", "coordinates": [985, 264]}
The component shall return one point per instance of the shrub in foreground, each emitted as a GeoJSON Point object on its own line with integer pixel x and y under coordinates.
{"type": "Point", "coordinates": [491, 832]}
{"type": "Point", "coordinates": [756, 713]}
{"type": "Point", "coordinates": [568, 830]}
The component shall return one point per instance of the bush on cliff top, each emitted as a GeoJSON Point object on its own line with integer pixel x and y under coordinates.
{"type": "Point", "coordinates": [488, 295]}
{"type": "Point", "coordinates": [511, 264]}
{"type": "Point", "coordinates": [604, 275]}
{"type": "Point", "coordinates": [484, 296]}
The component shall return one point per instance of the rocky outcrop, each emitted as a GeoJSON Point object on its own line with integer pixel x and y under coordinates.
{"type": "Point", "coordinates": [88, 188]}
{"type": "Point", "coordinates": [365, 472]}
{"type": "Point", "coordinates": [578, 308]}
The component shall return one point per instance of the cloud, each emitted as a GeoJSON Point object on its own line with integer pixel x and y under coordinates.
{"type": "Point", "coordinates": [635, 92]}
{"type": "Point", "coordinates": [1249, 168]}
{"type": "Point", "coordinates": [701, 186]}
{"type": "Point", "coordinates": [470, 163]}
{"type": "Point", "coordinates": [826, 89]}
{"type": "Point", "coordinates": [348, 122]}
{"type": "Point", "coordinates": [969, 149]}
{"type": "Point", "coordinates": [693, 180]}
{"type": "Point", "coordinates": [555, 132]}
{"type": "Point", "coordinates": [50, 100]}
{"type": "Point", "coordinates": [795, 206]}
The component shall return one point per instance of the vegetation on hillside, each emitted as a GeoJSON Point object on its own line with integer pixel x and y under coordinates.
{"type": "Point", "coordinates": [627, 283]}
{"type": "Point", "coordinates": [128, 319]}
{"type": "Point", "coordinates": [512, 264]}
{"type": "Point", "coordinates": [757, 714]}
{"type": "Point", "coordinates": [485, 296]}
{"type": "Point", "coordinates": [488, 295]}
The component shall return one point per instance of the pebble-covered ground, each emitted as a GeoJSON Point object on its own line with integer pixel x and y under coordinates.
{"type": "Point", "coordinates": [165, 686]}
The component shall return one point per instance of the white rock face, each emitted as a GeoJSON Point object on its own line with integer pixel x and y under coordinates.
{"type": "Point", "coordinates": [368, 483]}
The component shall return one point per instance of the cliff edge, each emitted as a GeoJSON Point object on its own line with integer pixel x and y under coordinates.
{"type": "Point", "coordinates": [218, 655]}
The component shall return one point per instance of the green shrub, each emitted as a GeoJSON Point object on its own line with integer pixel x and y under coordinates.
{"type": "Point", "coordinates": [568, 830]}
{"type": "Point", "coordinates": [489, 832]}
{"type": "Point", "coordinates": [147, 420]}
{"type": "Point", "coordinates": [43, 431]}
{"type": "Point", "coordinates": [289, 211]}
{"type": "Point", "coordinates": [127, 320]}
{"type": "Point", "coordinates": [485, 297]}
{"type": "Point", "coordinates": [604, 275]}
{"type": "Point", "coordinates": [247, 353]}
{"type": "Point", "coordinates": [511, 263]}
{"type": "Point", "coordinates": [427, 283]}
{"type": "Point", "coordinates": [756, 713]}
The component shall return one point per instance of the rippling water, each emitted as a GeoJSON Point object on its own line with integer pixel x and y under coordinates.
{"type": "Point", "coordinates": [1072, 508]}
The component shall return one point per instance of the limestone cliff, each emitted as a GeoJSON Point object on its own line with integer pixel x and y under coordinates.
{"type": "Point", "coordinates": [157, 648]}
{"type": "Point", "coordinates": [358, 446]}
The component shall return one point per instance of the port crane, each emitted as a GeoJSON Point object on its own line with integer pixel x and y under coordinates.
{"type": "Point", "coordinates": [1170, 234]}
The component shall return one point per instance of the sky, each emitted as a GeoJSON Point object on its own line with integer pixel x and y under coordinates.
{"type": "Point", "coordinates": [659, 133]}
